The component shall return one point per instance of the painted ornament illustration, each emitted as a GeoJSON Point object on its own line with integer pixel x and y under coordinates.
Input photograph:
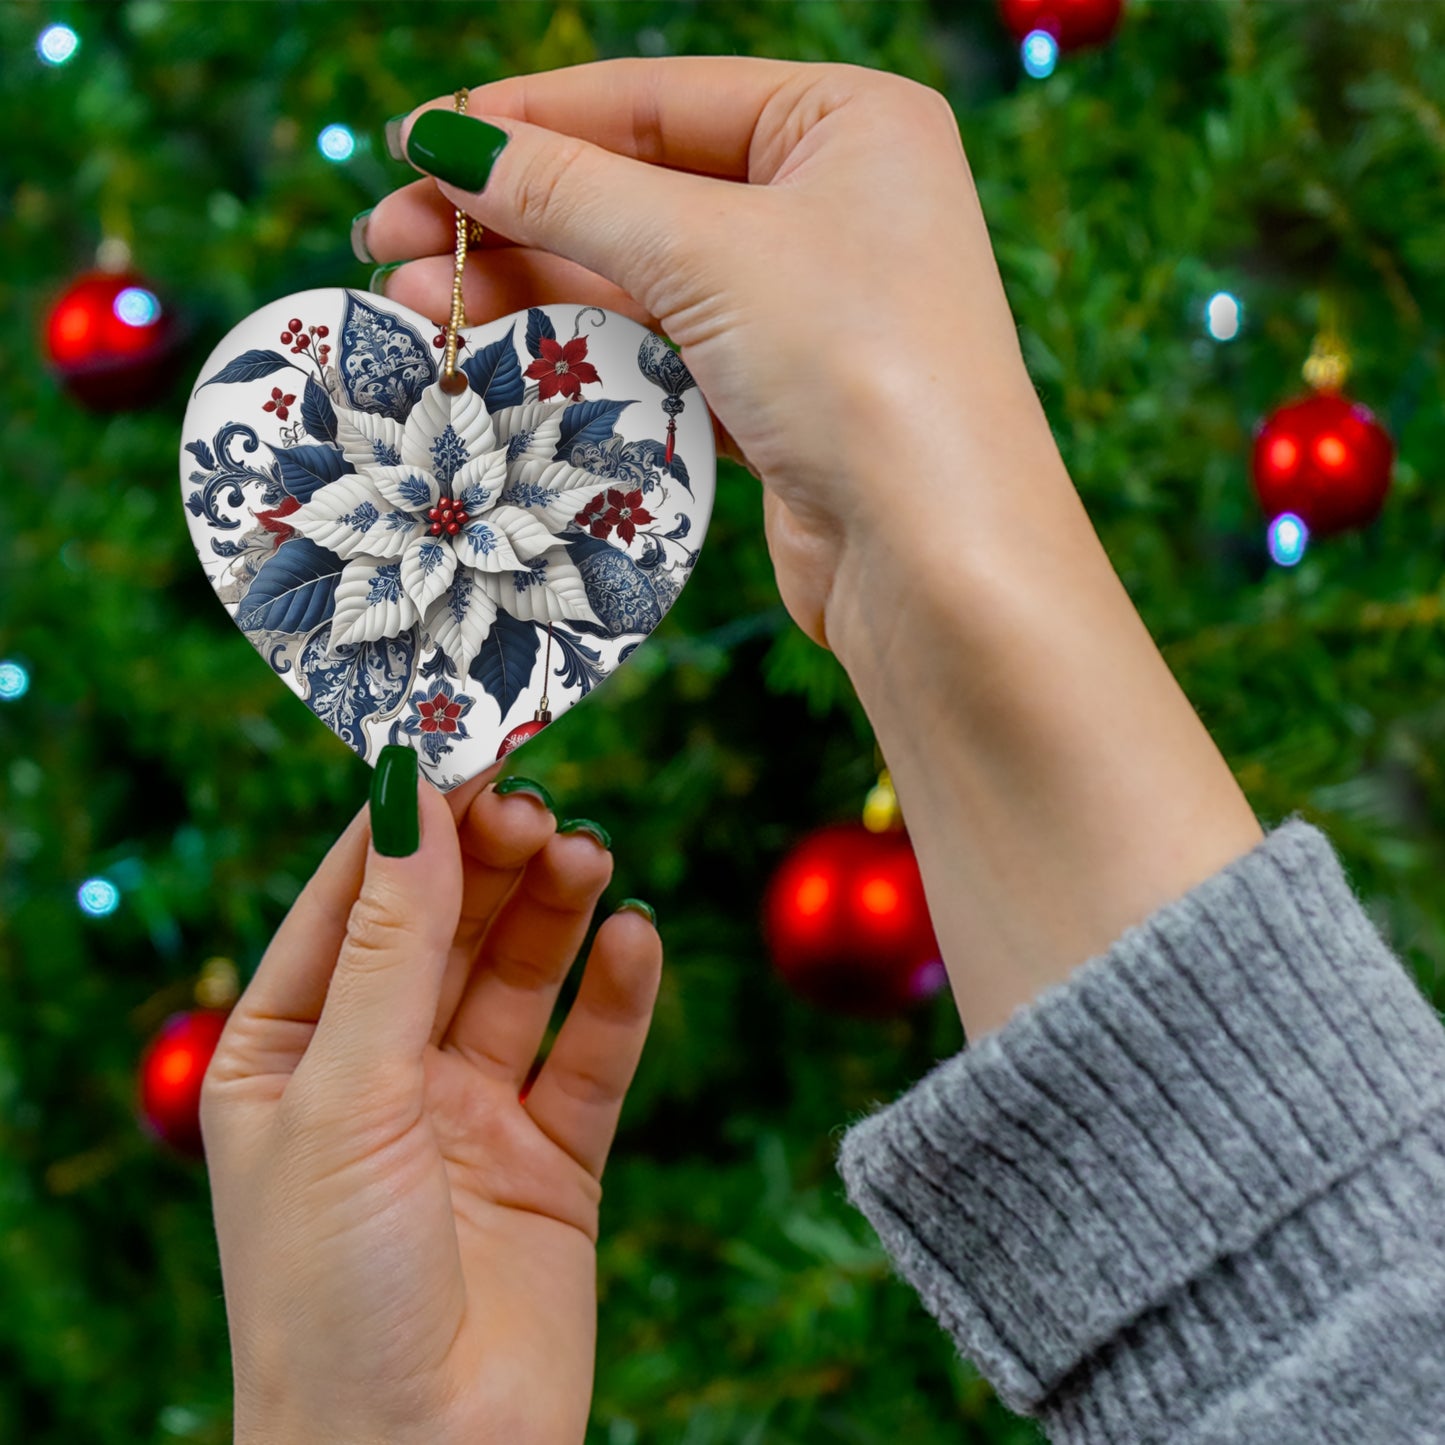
{"type": "Point", "coordinates": [448, 568]}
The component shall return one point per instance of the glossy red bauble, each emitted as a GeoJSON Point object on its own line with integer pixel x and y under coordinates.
{"type": "Point", "coordinates": [111, 341]}
{"type": "Point", "coordinates": [1073, 23]}
{"type": "Point", "coordinates": [1324, 458]}
{"type": "Point", "coordinates": [519, 735]}
{"type": "Point", "coordinates": [847, 923]}
{"type": "Point", "coordinates": [171, 1071]}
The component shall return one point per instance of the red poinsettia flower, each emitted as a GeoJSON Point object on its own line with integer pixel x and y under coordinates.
{"type": "Point", "coordinates": [439, 714]}
{"type": "Point", "coordinates": [279, 402]}
{"type": "Point", "coordinates": [562, 369]}
{"type": "Point", "coordinates": [626, 512]}
{"type": "Point", "coordinates": [594, 516]}
{"type": "Point", "coordinates": [271, 520]}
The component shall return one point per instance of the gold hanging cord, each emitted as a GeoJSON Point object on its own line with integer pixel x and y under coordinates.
{"type": "Point", "coordinates": [452, 380]}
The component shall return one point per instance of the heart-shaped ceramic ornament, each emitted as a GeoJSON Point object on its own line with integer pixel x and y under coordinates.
{"type": "Point", "coordinates": [432, 568]}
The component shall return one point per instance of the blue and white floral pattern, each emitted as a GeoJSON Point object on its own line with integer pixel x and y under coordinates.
{"type": "Point", "coordinates": [400, 550]}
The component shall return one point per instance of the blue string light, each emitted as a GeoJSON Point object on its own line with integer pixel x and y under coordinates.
{"type": "Point", "coordinates": [98, 897]}
{"type": "Point", "coordinates": [137, 307]}
{"type": "Point", "coordinates": [1288, 538]}
{"type": "Point", "coordinates": [336, 143]}
{"type": "Point", "coordinates": [14, 681]}
{"type": "Point", "coordinates": [57, 44]}
{"type": "Point", "coordinates": [1040, 54]}
{"type": "Point", "coordinates": [1223, 316]}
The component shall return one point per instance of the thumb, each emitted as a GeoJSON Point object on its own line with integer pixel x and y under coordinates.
{"type": "Point", "coordinates": [642, 227]}
{"type": "Point", "coordinates": [382, 1000]}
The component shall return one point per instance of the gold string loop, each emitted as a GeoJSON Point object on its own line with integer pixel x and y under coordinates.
{"type": "Point", "coordinates": [453, 381]}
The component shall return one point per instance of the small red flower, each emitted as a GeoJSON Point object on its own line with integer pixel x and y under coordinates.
{"type": "Point", "coordinates": [626, 512]}
{"type": "Point", "coordinates": [279, 403]}
{"type": "Point", "coordinates": [594, 517]}
{"type": "Point", "coordinates": [562, 368]}
{"type": "Point", "coordinates": [439, 714]}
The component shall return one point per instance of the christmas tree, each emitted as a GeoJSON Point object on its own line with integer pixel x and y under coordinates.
{"type": "Point", "coordinates": [1179, 215]}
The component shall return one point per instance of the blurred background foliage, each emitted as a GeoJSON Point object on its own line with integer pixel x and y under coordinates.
{"type": "Point", "coordinates": [1292, 154]}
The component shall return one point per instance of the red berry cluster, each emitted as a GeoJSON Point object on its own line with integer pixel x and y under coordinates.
{"type": "Point", "coordinates": [440, 341]}
{"type": "Point", "coordinates": [447, 516]}
{"type": "Point", "coordinates": [300, 340]}
{"type": "Point", "coordinates": [279, 402]}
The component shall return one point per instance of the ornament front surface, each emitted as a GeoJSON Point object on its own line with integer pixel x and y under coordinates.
{"type": "Point", "coordinates": [424, 568]}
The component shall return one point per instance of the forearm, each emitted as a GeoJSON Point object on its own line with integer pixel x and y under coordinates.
{"type": "Point", "coordinates": [1057, 784]}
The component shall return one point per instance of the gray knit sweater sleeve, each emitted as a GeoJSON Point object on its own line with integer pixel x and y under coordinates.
{"type": "Point", "coordinates": [1196, 1192]}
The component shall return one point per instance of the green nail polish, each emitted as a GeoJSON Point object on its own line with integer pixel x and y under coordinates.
{"type": "Point", "coordinates": [636, 905]}
{"type": "Point", "coordinates": [514, 784]}
{"type": "Point", "coordinates": [393, 136]}
{"type": "Point", "coordinates": [455, 148]}
{"type": "Point", "coordinates": [395, 825]}
{"type": "Point", "coordinates": [359, 248]}
{"type": "Point", "coordinates": [377, 284]}
{"type": "Point", "coordinates": [586, 825]}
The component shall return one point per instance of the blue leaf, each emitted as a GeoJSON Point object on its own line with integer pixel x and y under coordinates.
{"type": "Point", "coordinates": [538, 326]}
{"type": "Point", "coordinates": [684, 526]}
{"type": "Point", "coordinates": [587, 421]}
{"type": "Point", "coordinates": [202, 454]}
{"type": "Point", "coordinates": [679, 473]}
{"type": "Point", "coordinates": [227, 549]}
{"type": "Point", "coordinates": [581, 666]}
{"type": "Point", "coordinates": [317, 412]}
{"type": "Point", "coordinates": [249, 366]}
{"type": "Point", "coordinates": [307, 468]}
{"type": "Point", "coordinates": [496, 373]}
{"type": "Point", "coordinates": [294, 591]}
{"type": "Point", "coordinates": [383, 364]}
{"type": "Point", "coordinates": [507, 660]}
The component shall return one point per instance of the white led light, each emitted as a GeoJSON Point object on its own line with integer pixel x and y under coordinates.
{"type": "Point", "coordinates": [336, 143]}
{"type": "Point", "coordinates": [1223, 316]}
{"type": "Point", "coordinates": [57, 44]}
{"type": "Point", "coordinates": [14, 681]}
{"type": "Point", "coordinates": [1040, 53]}
{"type": "Point", "coordinates": [98, 897]}
{"type": "Point", "coordinates": [137, 307]}
{"type": "Point", "coordinates": [1288, 538]}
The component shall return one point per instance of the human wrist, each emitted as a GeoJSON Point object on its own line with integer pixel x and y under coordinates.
{"type": "Point", "coordinates": [1057, 784]}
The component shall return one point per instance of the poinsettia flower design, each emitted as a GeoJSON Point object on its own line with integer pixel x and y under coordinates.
{"type": "Point", "coordinates": [280, 402]}
{"type": "Point", "coordinates": [447, 520]}
{"type": "Point", "coordinates": [438, 710]}
{"type": "Point", "coordinates": [614, 508]}
{"type": "Point", "coordinates": [562, 368]}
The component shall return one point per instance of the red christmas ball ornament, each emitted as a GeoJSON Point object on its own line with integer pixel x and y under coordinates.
{"type": "Point", "coordinates": [111, 341]}
{"type": "Point", "coordinates": [847, 923]}
{"type": "Point", "coordinates": [1072, 23]}
{"type": "Point", "coordinates": [171, 1071]}
{"type": "Point", "coordinates": [1326, 459]}
{"type": "Point", "coordinates": [523, 731]}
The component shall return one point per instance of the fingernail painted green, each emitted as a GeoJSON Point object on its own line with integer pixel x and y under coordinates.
{"type": "Point", "coordinates": [586, 825]}
{"type": "Point", "coordinates": [395, 825]}
{"type": "Point", "coordinates": [455, 148]}
{"type": "Point", "coordinates": [359, 248]}
{"type": "Point", "coordinates": [377, 284]}
{"type": "Point", "coordinates": [636, 905]}
{"type": "Point", "coordinates": [393, 136]}
{"type": "Point", "coordinates": [515, 784]}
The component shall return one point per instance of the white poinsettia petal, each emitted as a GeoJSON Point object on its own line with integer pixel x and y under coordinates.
{"type": "Point", "coordinates": [483, 545]}
{"type": "Point", "coordinates": [427, 566]}
{"type": "Point", "coordinates": [368, 440]}
{"type": "Point", "coordinates": [370, 602]}
{"type": "Point", "coordinates": [458, 622]}
{"type": "Point", "coordinates": [353, 519]}
{"type": "Point", "coordinates": [550, 590]}
{"type": "Point", "coordinates": [526, 531]}
{"type": "Point", "coordinates": [480, 481]}
{"type": "Point", "coordinates": [557, 496]}
{"type": "Point", "coordinates": [411, 488]}
{"type": "Point", "coordinates": [444, 432]}
{"type": "Point", "coordinates": [512, 421]}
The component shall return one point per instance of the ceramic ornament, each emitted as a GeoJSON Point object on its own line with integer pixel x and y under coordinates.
{"type": "Point", "coordinates": [436, 568]}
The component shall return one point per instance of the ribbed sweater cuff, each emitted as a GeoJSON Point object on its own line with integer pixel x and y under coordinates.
{"type": "Point", "coordinates": [1134, 1154]}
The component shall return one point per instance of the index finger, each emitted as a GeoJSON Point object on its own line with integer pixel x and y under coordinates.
{"type": "Point", "coordinates": [698, 113]}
